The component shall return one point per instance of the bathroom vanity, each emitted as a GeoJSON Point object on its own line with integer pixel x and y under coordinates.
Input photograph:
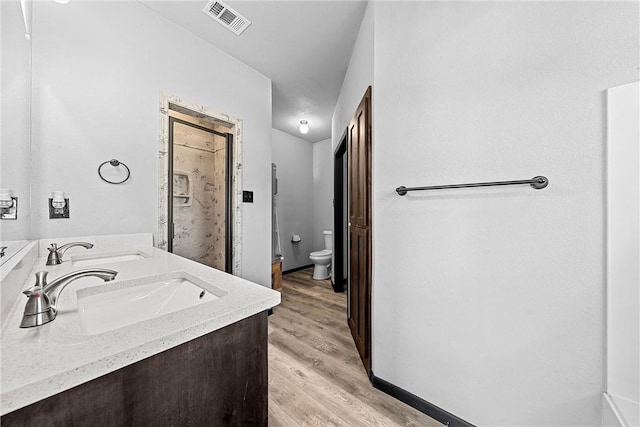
{"type": "Point", "coordinates": [220, 376]}
{"type": "Point", "coordinates": [201, 365]}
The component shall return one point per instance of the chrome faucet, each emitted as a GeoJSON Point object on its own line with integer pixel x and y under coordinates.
{"type": "Point", "coordinates": [55, 252]}
{"type": "Point", "coordinates": [41, 306]}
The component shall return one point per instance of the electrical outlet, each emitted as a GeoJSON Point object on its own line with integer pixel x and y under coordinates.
{"type": "Point", "coordinates": [247, 196]}
{"type": "Point", "coordinates": [59, 213]}
{"type": "Point", "coordinates": [10, 212]}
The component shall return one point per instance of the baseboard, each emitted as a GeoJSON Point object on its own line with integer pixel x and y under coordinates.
{"type": "Point", "coordinates": [293, 270]}
{"type": "Point", "coordinates": [421, 405]}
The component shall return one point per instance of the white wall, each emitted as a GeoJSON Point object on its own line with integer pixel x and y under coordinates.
{"type": "Point", "coordinates": [305, 195]}
{"type": "Point", "coordinates": [293, 157]}
{"type": "Point", "coordinates": [99, 68]}
{"type": "Point", "coordinates": [322, 191]}
{"type": "Point", "coordinates": [358, 78]}
{"type": "Point", "coordinates": [490, 302]}
{"type": "Point", "coordinates": [15, 118]}
{"type": "Point", "coordinates": [623, 251]}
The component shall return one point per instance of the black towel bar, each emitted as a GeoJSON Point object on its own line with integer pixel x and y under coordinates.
{"type": "Point", "coordinates": [537, 182]}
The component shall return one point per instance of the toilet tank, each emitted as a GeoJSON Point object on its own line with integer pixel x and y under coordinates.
{"type": "Point", "coordinates": [328, 239]}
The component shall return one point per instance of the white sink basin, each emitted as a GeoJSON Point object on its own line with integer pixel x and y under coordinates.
{"type": "Point", "coordinates": [106, 258]}
{"type": "Point", "coordinates": [108, 307]}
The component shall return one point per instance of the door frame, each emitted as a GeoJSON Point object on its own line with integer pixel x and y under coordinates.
{"type": "Point", "coordinates": [228, 232]}
{"type": "Point", "coordinates": [234, 125]}
{"type": "Point", "coordinates": [339, 268]}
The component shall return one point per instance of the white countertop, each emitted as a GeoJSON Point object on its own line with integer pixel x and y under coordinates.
{"type": "Point", "coordinates": [41, 361]}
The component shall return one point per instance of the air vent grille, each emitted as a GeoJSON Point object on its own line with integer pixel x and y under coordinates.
{"type": "Point", "coordinates": [216, 8]}
{"type": "Point", "coordinates": [226, 16]}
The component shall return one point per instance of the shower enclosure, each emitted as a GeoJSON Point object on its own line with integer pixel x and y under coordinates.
{"type": "Point", "coordinates": [199, 206]}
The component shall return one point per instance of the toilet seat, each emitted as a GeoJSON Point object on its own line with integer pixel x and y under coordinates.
{"type": "Point", "coordinates": [323, 253]}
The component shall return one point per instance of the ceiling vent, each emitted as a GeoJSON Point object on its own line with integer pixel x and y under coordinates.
{"type": "Point", "coordinates": [226, 16]}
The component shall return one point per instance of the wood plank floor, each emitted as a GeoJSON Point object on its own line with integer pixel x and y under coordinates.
{"type": "Point", "coordinates": [315, 374]}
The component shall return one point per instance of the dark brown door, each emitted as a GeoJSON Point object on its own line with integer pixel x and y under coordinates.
{"type": "Point", "coordinates": [359, 145]}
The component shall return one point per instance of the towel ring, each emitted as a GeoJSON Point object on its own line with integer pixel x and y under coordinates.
{"type": "Point", "coordinates": [114, 163]}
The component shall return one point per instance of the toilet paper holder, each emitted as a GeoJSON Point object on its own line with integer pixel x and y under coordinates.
{"type": "Point", "coordinates": [296, 238]}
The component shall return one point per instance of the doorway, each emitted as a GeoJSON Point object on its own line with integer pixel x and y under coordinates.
{"type": "Point", "coordinates": [199, 191]}
{"type": "Point", "coordinates": [200, 185]}
{"type": "Point", "coordinates": [339, 278]}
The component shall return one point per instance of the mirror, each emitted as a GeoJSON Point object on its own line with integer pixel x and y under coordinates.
{"type": "Point", "coordinates": [8, 248]}
{"type": "Point", "coordinates": [78, 106]}
{"type": "Point", "coordinates": [15, 124]}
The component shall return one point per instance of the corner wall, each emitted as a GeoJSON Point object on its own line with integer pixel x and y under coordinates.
{"type": "Point", "coordinates": [623, 253]}
{"type": "Point", "coordinates": [358, 78]}
{"type": "Point", "coordinates": [322, 191]}
{"type": "Point", "coordinates": [489, 303]}
{"type": "Point", "coordinates": [293, 157]}
{"type": "Point", "coordinates": [98, 70]}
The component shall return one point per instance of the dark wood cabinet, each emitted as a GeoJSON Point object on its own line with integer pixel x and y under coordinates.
{"type": "Point", "coordinates": [217, 379]}
{"type": "Point", "coordinates": [276, 275]}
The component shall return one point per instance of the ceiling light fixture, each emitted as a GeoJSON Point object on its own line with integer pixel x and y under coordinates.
{"type": "Point", "coordinates": [304, 127]}
{"type": "Point", "coordinates": [62, 1]}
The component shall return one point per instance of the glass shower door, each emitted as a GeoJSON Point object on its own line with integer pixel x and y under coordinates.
{"type": "Point", "coordinates": [200, 194]}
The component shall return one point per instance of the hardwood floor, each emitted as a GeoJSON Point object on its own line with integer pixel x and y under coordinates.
{"type": "Point", "coordinates": [315, 374]}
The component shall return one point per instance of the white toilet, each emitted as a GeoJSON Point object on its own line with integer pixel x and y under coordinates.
{"type": "Point", "coordinates": [322, 259]}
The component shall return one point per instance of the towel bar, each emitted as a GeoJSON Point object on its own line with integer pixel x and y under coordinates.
{"type": "Point", "coordinates": [537, 182]}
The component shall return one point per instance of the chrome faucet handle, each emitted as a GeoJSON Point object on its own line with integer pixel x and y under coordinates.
{"type": "Point", "coordinates": [38, 309]}
{"type": "Point", "coordinates": [55, 252]}
{"type": "Point", "coordinates": [41, 306]}
{"type": "Point", "coordinates": [54, 256]}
